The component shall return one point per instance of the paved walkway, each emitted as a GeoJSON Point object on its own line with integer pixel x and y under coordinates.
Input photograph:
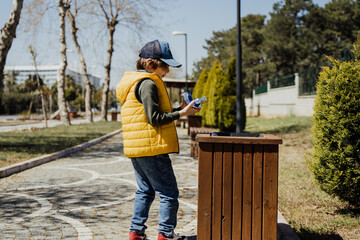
{"type": "Point", "coordinates": [9, 126]}
{"type": "Point", "coordinates": [89, 195]}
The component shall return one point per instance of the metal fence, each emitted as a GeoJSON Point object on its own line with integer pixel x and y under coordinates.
{"type": "Point", "coordinates": [307, 81]}
{"type": "Point", "coordinates": [261, 89]}
{"type": "Point", "coordinates": [283, 81]}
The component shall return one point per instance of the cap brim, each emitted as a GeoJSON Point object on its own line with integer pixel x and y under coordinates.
{"type": "Point", "coordinates": [171, 62]}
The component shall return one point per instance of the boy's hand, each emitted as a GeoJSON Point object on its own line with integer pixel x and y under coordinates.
{"type": "Point", "coordinates": [183, 105]}
{"type": "Point", "coordinates": [188, 109]}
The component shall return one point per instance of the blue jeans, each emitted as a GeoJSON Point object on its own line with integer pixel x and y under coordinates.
{"type": "Point", "coordinates": [155, 174]}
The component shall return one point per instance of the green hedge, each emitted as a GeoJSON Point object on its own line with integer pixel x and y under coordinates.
{"type": "Point", "coordinates": [335, 160]}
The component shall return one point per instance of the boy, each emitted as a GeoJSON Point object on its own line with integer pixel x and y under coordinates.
{"type": "Point", "coordinates": [149, 136]}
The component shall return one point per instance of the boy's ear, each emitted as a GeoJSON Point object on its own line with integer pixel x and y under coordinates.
{"type": "Point", "coordinates": [149, 64]}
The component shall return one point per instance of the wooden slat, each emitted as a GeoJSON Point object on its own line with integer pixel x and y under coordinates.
{"type": "Point", "coordinates": [217, 192]}
{"type": "Point", "coordinates": [227, 192]}
{"type": "Point", "coordinates": [247, 193]}
{"type": "Point", "coordinates": [257, 192]}
{"type": "Point", "coordinates": [237, 192]}
{"type": "Point", "coordinates": [270, 186]}
{"type": "Point", "coordinates": [265, 139]}
{"type": "Point", "coordinates": [238, 185]}
{"type": "Point", "coordinates": [205, 191]}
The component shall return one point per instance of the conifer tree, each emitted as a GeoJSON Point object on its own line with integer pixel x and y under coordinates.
{"type": "Point", "coordinates": [214, 81]}
{"type": "Point", "coordinates": [336, 134]}
{"type": "Point", "coordinates": [227, 102]}
{"type": "Point", "coordinates": [200, 84]}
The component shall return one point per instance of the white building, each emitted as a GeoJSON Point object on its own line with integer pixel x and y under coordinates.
{"type": "Point", "coordinates": [49, 74]}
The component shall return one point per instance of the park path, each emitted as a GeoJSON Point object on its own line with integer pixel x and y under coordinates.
{"type": "Point", "coordinates": [89, 195]}
{"type": "Point", "coordinates": [9, 126]}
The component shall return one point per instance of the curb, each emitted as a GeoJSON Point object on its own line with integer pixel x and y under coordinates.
{"type": "Point", "coordinates": [22, 166]}
{"type": "Point", "coordinates": [285, 232]}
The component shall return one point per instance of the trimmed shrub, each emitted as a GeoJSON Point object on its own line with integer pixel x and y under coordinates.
{"type": "Point", "coordinates": [335, 161]}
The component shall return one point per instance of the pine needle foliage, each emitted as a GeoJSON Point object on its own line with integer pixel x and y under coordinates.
{"type": "Point", "coordinates": [200, 84]}
{"type": "Point", "coordinates": [335, 160]}
{"type": "Point", "coordinates": [220, 90]}
{"type": "Point", "coordinates": [211, 91]}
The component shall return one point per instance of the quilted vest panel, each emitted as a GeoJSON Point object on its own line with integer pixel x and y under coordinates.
{"type": "Point", "coordinates": [140, 137]}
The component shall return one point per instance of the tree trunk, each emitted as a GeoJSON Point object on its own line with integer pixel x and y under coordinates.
{"type": "Point", "coordinates": [104, 102]}
{"type": "Point", "coordinates": [43, 99]}
{"type": "Point", "coordinates": [89, 116]}
{"type": "Point", "coordinates": [257, 81]}
{"type": "Point", "coordinates": [30, 107]}
{"type": "Point", "coordinates": [50, 103]}
{"type": "Point", "coordinates": [64, 115]}
{"type": "Point", "coordinates": [8, 33]}
{"type": "Point", "coordinates": [43, 104]}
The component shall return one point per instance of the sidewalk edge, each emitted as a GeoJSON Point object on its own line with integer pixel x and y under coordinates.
{"type": "Point", "coordinates": [285, 232]}
{"type": "Point", "coordinates": [22, 166]}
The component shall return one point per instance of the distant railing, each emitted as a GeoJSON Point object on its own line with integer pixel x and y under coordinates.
{"type": "Point", "coordinates": [283, 81]}
{"type": "Point", "coordinates": [307, 81]}
{"type": "Point", "coordinates": [261, 89]}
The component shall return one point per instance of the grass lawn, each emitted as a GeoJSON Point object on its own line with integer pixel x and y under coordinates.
{"type": "Point", "coordinates": [23, 145]}
{"type": "Point", "coordinates": [312, 213]}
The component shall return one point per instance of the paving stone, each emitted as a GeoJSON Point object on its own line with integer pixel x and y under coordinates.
{"type": "Point", "coordinates": [89, 195]}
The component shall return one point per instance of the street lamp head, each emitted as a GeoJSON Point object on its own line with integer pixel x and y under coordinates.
{"type": "Point", "coordinates": [185, 35]}
{"type": "Point", "coordinates": [178, 33]}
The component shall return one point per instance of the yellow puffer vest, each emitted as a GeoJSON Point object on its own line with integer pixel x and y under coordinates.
{"type": "Point", "coordinates": [140, 137]}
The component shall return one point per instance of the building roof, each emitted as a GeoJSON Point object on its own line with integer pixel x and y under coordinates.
{"type": "Point", "coordinates": [173, 82]}
{"type": "Point", "coordinates": [31, 68]}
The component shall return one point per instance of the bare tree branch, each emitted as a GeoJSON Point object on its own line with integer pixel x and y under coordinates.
{"type": "Point", "coordinates": [101, 4]}
{"type": "Point", "coordinates": [74, 30]}
{"type": "Point", "coordinates": [43, 99]}
{"type": "Point", "coordinates": [8, 33]}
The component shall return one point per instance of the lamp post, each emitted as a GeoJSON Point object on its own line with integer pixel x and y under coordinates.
{"type": "Point", "coordinates": [239, 90]}
{"type": "Point", "coordinates": [186, 71]}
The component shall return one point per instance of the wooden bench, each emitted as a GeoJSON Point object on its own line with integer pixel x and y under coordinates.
{"type": "Point", "coordinates": [181, 122]}
{"type": "Point", "coordinates": [193, 132]}
{"type": "Point", "coordinates": [194, 121]}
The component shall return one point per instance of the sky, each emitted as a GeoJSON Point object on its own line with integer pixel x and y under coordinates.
{"type": "Point", "coordinates": [197, 18]}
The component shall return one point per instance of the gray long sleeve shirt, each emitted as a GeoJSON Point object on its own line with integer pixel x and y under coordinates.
{"type": "Point", "coordinates": [146, 92]}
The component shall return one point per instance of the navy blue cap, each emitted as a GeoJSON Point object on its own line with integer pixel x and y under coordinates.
{"type": "Point", "coordinates": [160, 50]}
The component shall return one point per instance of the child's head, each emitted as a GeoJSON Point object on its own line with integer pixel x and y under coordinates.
{"type": "Point", "coordinates": [155, 55]}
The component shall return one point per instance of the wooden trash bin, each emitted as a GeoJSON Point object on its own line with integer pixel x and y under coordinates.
{"type": "Point", "coordinates": [114, 116]}
{"type": "Point", "coordinates": [194, 144]}
{"type": "Point", "coordinates": [193, 121]}
{"type": "Point", "coordinates": [238, 187]}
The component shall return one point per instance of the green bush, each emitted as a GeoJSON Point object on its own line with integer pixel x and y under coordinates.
{"type": "Point", "coordinates": [335, 160]}
{"type": "Point", "coordinates": [14, 103]}
{"type": "Point", "coordinates": [200, 85]}
{"type": "Point", "coordinates": [227, 103]}
{"type": "Point", "coordinates": [227, 114]}
{"type": "Point", "coordinates": [210, 110]}
{"type": "Point", "coordinates": [220, 90]}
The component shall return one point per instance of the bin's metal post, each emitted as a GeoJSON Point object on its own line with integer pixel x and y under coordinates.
{"type": "Point", "coordinates": [239, 107]}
